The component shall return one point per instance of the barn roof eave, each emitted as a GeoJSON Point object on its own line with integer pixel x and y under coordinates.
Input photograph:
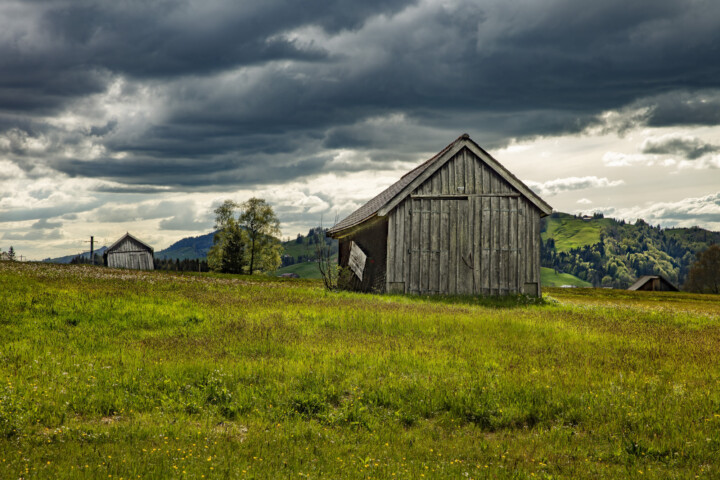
{"type": "Point", "coordinates": [354, 228]}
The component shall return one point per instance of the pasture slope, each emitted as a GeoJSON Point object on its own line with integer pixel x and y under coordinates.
{"type": "Point", "coordinates": [117, 374]}
{"type": "Point", "coordinates": [551, 278]}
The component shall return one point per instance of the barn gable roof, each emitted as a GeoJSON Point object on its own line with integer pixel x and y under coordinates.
{"type": "Point", "coordinates": [389, 198]}
{"type": "Point", "coordinates": [127, 235]}
{"type": "Point", "coordinates": [646, 278]}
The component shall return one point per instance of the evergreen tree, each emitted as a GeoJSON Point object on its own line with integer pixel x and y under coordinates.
{"type": "Point", "coordinates": [233, 256]}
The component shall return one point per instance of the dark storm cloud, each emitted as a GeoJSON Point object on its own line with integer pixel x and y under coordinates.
{"type": "Point", "coordinates": [690, 148]}
{"type": "Point", "coordinates": [684, 108]}
{"type": "Point", "coordinates": [244, 93]}
{"type": "Point", "coordinates": [103, 130]}
{"type": "Point", "coordinates": [129, 189]}
{"type": "Point", "coordinates": [193, 172]}
{"type": "Point", "coordinates": [22, 214]}
{"type": "Point", "coordinates": [55, 50]}
{"type": "Point", "coordinates": [45, 224]}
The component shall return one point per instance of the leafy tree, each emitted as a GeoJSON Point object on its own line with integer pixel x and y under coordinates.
{"type": "Point", "coordinates": [11, 253]}
{"type": "Point", "coordinates": [704, 276]}
{"type": "Point", "coordinates": [246, 241]}
{"type": "Point", "coordinates": [261, 225]}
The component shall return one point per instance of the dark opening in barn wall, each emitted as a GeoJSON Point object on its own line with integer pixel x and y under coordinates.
{"type": "Point", "coordinates": [372, 240]}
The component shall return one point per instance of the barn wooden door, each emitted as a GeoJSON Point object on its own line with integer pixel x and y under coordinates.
{"type": "Point", "coordinates": [440, 247]}
{"type": "Point", "coordinates": [497, 225]}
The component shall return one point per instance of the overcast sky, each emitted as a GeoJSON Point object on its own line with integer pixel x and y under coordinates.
{"type": "Point", "coordinates": [143, 116]}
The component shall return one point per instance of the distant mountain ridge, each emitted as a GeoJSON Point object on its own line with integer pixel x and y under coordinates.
{"type": "Point", "coordinates": [189, 248]}
{"type": "Point", "coordinates": [68, 258]}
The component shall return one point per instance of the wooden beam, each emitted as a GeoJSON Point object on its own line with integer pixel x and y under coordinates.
{"type": "Point", "coordinates": [464, 197]}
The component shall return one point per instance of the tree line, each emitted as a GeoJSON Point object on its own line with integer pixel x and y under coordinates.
{"type": "Point", "coordinates": [185, 265]}
{"type": "Point", "coordinates": [169, 264]}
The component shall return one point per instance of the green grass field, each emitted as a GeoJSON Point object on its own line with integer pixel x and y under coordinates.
{"type": "Point", "coordinates": [548, 278]}
{"type": "Point", "coordinates": [118, 374]}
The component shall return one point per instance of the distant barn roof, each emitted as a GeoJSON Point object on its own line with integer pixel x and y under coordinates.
{"type": "Point", "coordinates": [646, 278]}
{"type": "Point", "coordinates": [127, 235]}
{"type": "Point", "coordinates": [399, 190]}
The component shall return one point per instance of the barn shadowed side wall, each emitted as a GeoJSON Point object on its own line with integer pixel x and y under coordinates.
{"type": "Point", "coordinates": [372, 240]}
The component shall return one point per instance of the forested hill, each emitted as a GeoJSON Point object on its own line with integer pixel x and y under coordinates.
{"type": "Point", "coordinates": [611, 253]}
{"type": "Point", "coordinates": [189, 248]}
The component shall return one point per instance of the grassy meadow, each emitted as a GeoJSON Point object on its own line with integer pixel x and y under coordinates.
{"type": "Point", "coordinates": [551, 278]}
{"type": "Point", "coordinates": [117, 374]}
{"type": "Point", "coordinates": [570, 232]}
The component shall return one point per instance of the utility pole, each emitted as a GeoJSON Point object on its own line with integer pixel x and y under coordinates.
{"type": "Point", "coordinates": [92, 250]}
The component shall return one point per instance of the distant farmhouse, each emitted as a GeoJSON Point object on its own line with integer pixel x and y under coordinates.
{"type": "Point", "coordinates": [654, 283]}
{"type": "Point", "coordinates": [459, 223]}
{"type": "Point", "coordinates": [129, 252]}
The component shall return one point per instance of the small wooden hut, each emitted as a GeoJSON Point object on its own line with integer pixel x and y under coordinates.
{"type": "Point", "coordinates": [653, 283]}
{"type": "Point", "coordinates": [460, 223]}
{"type": "Point", "coordinates": [129, 252]}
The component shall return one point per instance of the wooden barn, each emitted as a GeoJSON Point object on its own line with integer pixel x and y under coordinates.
{"type": "Point", "coordinates": [459, 223]}
{"type": "Point", "coordinates": [129, 252]}
{"type": "Point", "coordinates": [653, 283]}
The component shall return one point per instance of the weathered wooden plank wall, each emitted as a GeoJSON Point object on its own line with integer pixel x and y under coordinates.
{"type": "Point", "coordinates": [464, 230]}
{"type": "Point", "coordinates": [130, 254]}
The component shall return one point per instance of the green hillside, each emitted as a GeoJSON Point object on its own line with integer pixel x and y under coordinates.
{"type": "Point", "coordinates": [569, 231]}
{"type": "Point", "coordinates": [189, 248]}
{"type": "Point", "coordinates": [611, 253]}
{"type": "Point", "coordinates": [304, 269]}
{"type": "Point", "coordinates": [299, 254]}
{"type": "Point", "coordinates": [549, 278]}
